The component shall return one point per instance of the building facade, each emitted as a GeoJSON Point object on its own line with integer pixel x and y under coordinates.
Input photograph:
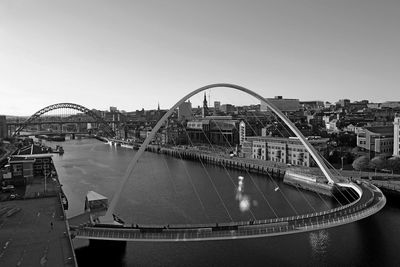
{"type": "Point", "coordinates": [396, 136]}
{"type": "Point", "coordinates": [217, 105]}
{"type": "Point", "coordinates": [185, 111]}
{"type": "Point", "coordinates": [283, 150]}
{"type": "Point", "coordinates": [30, 161]}
{"type": "Point", "coordinates": [242, 132]}
{"type": "Point", "coordinates": [283, 104]}
{"type": "Point", "coordinates": [376, 140]}
{"type": "Point", "coordinates": [227, 108]}
{"type": "Point", "coordinates": [3, 127]}
{"type": "Point", "coordinates": [214, 130]}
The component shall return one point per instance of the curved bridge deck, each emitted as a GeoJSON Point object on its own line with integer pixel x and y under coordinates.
{"type": "Point", "coordinates": [371, 201]}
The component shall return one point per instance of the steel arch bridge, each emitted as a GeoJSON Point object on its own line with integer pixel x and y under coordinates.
{"type": "Point", "coordinates": [104, 125]}
{"type": "Point", "coordinates": [369, 200]}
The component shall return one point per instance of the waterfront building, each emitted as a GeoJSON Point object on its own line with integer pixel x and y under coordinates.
{"type": "Point", "coordinates": [283, 150]}
{"type": "Point", "coordinates": [218, 130]}
{"type": "Point", "coordinates": [376, 140]}
{"type": "Point", "coordinates": [28, 162]}
{"type": "Point", "coordinates": [185, 111]}
{"type": "Point", "coordinates": [283, 104]}
{"type": "Point", "coordinates": [396, 135]}
{"type": "Point", "coordinates": [242, 132]}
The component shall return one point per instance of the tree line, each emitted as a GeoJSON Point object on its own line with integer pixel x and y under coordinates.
{"type": "Point", "coordinates": [377, 163]}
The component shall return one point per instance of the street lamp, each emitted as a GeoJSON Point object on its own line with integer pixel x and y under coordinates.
{"type": "Point", "coordinates": [342, 162]}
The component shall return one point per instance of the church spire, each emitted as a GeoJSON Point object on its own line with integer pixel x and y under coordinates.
{"type": "Point", "coordinates": [204, 110]}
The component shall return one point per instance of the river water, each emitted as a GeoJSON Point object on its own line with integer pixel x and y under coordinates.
{"type": "Point", "coordinates": [166, 190]}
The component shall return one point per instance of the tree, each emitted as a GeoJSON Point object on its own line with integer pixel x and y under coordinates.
{"type": "Point", "coordinates": [394, 163]}
{"type": "Point", "coordinates": [355, 151]}
{"type": "Point", "coordinates": [377, 163]}
{"type": "Point", "coordinates": [361, 163]}
{"type": "Point", "coordinates": [349, 157]}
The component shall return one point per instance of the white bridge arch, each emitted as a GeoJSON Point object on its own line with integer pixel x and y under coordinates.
{"type": "Point", "coordinates": [369, 201]}
{"type": "Point", "coordinates": [328, 175]}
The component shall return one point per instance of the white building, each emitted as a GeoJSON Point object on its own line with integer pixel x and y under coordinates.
{"type": "Point", "coordinates": [242, 132]}
{"type": "Point", "coordinates": [396, 135]}
{"type": "Point", "coordinates": [283, 150]}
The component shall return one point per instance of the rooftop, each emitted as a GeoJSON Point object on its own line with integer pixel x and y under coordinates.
{"type": "Point", "coordinates": [386, 130]}
{"type": "Point", "coordinates": [91, 195]}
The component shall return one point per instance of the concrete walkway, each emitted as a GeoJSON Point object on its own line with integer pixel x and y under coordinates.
{"type": "Point", "coordinates": [33, 232]}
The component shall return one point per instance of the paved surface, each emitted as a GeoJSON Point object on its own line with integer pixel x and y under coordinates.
{"type": "Point", "coordinates": [27, 237]}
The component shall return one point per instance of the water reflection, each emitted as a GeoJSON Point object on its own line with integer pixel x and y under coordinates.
{"type": "Point", "coordinates": [370, 242]}
{"type": "Point", "coordinates": [319, 242]}
{"type": "Point", "coordinates": [244, 200]}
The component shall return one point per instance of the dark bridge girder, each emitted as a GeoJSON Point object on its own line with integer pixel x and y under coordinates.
{"type": "Point", "coordinates": [104, 125]}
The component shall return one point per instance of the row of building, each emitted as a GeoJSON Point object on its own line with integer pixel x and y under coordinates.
{"type": "Point", "coordinates": [27, 162]}
{"type": "Point", "coordinates": [3, 127]}
{"type": "Point", "coordinates": [380, 140]}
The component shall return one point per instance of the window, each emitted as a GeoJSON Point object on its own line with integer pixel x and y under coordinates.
{"type": "Point", "coordinates": [38, 167]}
{"type": "Point", "coordinates": [17, 167]}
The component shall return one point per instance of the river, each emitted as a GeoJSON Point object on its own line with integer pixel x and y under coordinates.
{"type": "Point", "coordinates": [165, 190]}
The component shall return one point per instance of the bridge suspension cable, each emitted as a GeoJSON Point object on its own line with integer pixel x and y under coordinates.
{"type": "Point", "coordinates": [227, 172]}
{"type": "Point", "coordinates": [251, 177]}
{"type": "Point", "coordinates": [271, 178]}
{"type": "Point", "coordinates": [277, 129]}
{"type": "Point", "coordinates": [190, 179]}
{"type": "Point", "coordinates": [324, 160]}
{"type": "Point", "coordinates": [312, 151]}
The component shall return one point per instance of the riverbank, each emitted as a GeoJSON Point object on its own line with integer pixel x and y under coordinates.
{"type": "Point", "coordinates": [34, 230]}
{"type": "Point", "coordinates": [7, 149]}
{"type": "Point", "coordinates": [233, 163]}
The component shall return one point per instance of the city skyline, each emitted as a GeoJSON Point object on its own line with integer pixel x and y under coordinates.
{"type": "Point", "coordinates": [133, 55]}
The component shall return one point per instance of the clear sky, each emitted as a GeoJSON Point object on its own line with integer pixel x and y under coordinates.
{"type": "Point", "coordinates": [134, 54]}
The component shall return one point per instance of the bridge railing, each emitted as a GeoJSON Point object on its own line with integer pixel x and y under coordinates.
{"type": "Point", "coordinates": [355, 213]}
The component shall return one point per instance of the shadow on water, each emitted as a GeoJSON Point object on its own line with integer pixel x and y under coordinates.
{"type": "Point", "coordinates": [375, 234]}
{"type": "Point", "coordinates": [102, 253]}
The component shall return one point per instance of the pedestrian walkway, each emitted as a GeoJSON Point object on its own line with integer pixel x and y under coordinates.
{"type": "Point", "coordinates": [33, 232]}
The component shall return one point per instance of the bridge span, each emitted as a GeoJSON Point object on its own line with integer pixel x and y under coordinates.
{"type": "Point", "coordinates": [370, 201]}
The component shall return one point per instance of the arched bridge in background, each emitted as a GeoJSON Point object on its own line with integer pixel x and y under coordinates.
{"type": "Point", "coordinates": [103, 125]}
{"type": "Point", "coordinates": [367, 201]}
